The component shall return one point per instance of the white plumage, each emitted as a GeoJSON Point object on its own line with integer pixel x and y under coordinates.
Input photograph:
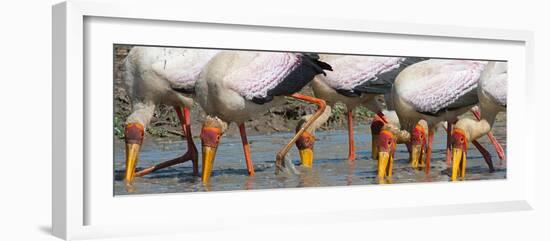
{"type": "Point", "coordinates": [494, 83]}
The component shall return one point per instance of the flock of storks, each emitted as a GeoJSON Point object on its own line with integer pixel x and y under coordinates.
{"type": "Point", "coordinates": [236, 86]}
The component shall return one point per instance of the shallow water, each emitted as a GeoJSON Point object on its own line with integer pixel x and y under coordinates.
{"type": "Point", "coordinates": [330, 167]}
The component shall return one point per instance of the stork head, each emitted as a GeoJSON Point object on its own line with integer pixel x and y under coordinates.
{"type": "Point", "coordinates": [305, 144]}
{"type": "Point", "coordinates": [212, 130]}
{"type": "Point", "coordinates": [418, 143]}
{"type": "Point", "coordinates": [386, 145]}
{"type": "Point", "coordinates": [133, 135]}
{"type": "Point", "coordinates": [459, 143]}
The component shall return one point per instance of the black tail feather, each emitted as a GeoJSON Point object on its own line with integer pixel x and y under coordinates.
{"type": "Point", "coordinates": [320, 66]}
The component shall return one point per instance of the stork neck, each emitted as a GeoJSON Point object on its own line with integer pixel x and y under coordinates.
{"type": "Point", "coordinates": [489, 115]}
{"type": "Point", "coordinates": [317, 123]}
{"type": "Point", "coordinates": [483, 126]}
{"type": "Point", "coordinates": [142, 113]}
{"type": "Point", "coordinates": [479, 129]}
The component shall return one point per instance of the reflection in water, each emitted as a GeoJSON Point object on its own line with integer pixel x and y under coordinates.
{"type": "Point", "coordinates": [308, 177]}
{"type": "Point", "coordinates": [330, 168]}
{"type": "Point", "coordinates": [385, 180]}
{"type": "Point", "coordinates": [129, 187]}
{"type": "Point", "coordinates": [351, 169]}
{"type": "Point", "coordinates": [249, 183]}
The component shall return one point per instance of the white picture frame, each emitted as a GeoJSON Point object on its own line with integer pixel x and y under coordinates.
{"type": "Point", "coordinates": [76, 199]}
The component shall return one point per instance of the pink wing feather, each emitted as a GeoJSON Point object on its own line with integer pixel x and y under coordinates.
{"type": "Point", "coordinates": [447, 84]}
{"type": "Point", "coordinates": [265, 71]}
{"type": "Point", "coordinates": [351, 71]}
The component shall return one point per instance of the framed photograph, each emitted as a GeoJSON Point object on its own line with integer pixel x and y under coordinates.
{"type": "Point", "coordinates": [144, 102]}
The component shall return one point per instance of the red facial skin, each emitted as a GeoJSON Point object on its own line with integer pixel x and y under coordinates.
{"type": "Point", "coordinates": [305, 141]}
{"type": "Point", "coordinates": [459, 139]}
{"type": "Point", "coordinates": [210, 136]}
{"type": "Point", "coordinates": [418, 136]}
{"type": "Point", "coordinates": [386, 142]}
{"type": "Point", "coordinates": [133, 133]}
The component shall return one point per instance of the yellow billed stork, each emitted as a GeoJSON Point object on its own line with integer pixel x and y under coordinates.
{"type": "Point", "coordinates": [153, 76]}
{"type": "Point", "coordinates": [437, 90]}
{"type": "Point", "coordinates": [237, 86]}
{"type": "Point", "coordinates": [492, 94]}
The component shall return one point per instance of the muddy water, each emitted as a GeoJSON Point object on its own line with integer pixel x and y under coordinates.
{"type": "Point", "coordinates": [330, 165]}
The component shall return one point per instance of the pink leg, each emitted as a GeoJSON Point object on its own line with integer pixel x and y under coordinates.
{"type": "Point", "coordinates": [408, 145]}
{"type": "Point", "coordinates": [486, 155]}
{"type": "Point", "coordinates": [191, 148]}
{"type": "Point", "coordinates": [351, 141]}
{"type": "Point", "coordinates": [191, 153]}
{"type": "Point", "coordinates": [429, 151]}
{"type": "Point", "coordinates": [449, 140]}
{"type": "Point", "coordinates": [496, 144]}
{"type": "Point", "coordinates": [246, 149]}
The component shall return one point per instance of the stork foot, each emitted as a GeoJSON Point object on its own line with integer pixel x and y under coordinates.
{"type": "Point", "coordinates": [287, 166]}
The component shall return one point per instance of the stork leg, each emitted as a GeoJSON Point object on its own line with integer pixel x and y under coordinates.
{"type": "Point", "coordinates": [496, 144]}
{"type": "Point", "coordinates": [486, 155]}
{"type": "Point", "coordinates": [282, 153]}
{"type": "Point", "coordinates": [246, 149]}
{"type": "Point", "coordinates": [449, 140]}
{"type": "Point", "coordinates": [191, 154]}
{"type": "Point", "coordinates": [351, 141]}
{"type": "Point", "coordinates": [431, 133]}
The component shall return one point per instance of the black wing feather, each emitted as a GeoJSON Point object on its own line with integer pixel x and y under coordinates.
{"type": "Point", "coordinates": [383, 82]}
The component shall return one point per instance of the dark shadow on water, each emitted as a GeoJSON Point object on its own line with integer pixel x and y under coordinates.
{"type": "Point", "coordinates": [368, 174]}
{"type": "Point", "coordinates": [169, 172]}
{"type": "Point", "coordinates": [229, 171]}
{"type": "Point", "coordinates": [239, 171]}
{"type": "Point", "coordinates": [189, 179]}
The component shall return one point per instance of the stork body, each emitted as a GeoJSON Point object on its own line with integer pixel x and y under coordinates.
{"type": "Point", "coordinates": [435, 91]}
{"type": "Point", "coordinates": [154, 76]}
{"type": "Point", "coordinates": [492, 94]}
{"type": "Point", "coordinates": [237, 86]}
